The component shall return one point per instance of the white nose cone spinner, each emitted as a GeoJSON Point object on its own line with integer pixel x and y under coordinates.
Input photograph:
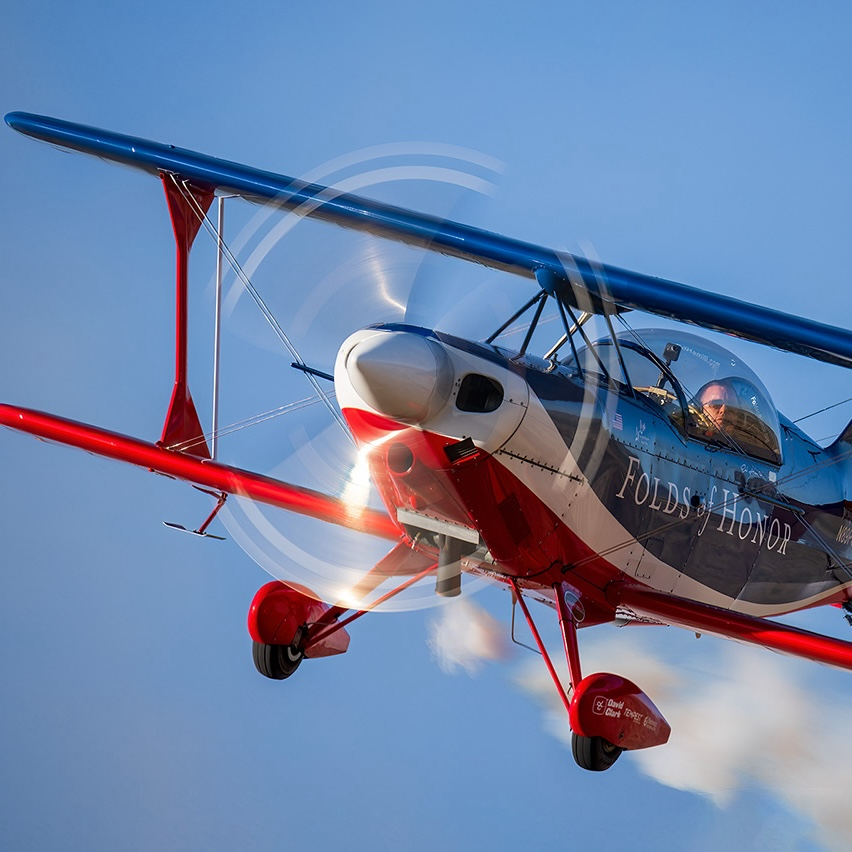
{"type": "Point", "coordinates": [400, 374]}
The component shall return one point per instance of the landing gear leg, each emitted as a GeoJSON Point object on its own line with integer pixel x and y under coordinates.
{"type": "Point", "coordinates": [594, 753]}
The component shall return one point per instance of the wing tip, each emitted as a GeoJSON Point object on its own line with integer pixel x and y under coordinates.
{"type": "Point", "coordinates": [16, 120]}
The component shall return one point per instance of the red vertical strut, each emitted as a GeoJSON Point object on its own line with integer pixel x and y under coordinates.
{"type": "Point", "coordinates": [182, 430]}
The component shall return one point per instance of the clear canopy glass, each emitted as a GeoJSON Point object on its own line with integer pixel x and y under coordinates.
{"type": "Point", "coordinates": [704, 388]}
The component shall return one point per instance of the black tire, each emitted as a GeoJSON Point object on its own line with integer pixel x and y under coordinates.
{"type": "Point", "coordinates": [594, 753]}
{"type": "Point", "coordinates": [276, 662]}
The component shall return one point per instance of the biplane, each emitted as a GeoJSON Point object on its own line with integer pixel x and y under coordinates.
{"type": "Point", "coordinates": [644, 476]}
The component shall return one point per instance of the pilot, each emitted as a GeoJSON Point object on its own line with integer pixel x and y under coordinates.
{"type": "Point", "coordinates": [734, 407]}
{"type": "Point", "coordinates": [717, 402]}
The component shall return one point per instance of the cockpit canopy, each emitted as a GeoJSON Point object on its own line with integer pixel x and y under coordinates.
{"type": "Point", "coordinates": [707, 391]}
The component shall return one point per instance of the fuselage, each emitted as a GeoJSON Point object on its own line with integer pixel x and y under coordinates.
{"type": "Point", "coordinates": [565, 474]}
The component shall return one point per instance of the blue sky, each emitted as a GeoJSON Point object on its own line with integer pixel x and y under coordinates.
{"type": "Point", "coordinates": [707, 144]}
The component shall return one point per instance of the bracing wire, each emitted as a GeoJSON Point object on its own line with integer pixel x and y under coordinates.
{"type": "Point", "coordinates": [827, 408]}
{"type": "Point", "coordinates": [254, 420]}
{"type": "Point", "coordinates": [261, 304]}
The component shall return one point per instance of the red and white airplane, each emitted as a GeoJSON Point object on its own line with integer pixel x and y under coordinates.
{"type": "Point", "coordinates": [645, 476]}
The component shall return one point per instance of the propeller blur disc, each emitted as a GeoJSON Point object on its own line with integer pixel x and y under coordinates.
{"type": "Point", "coordinates": [321, 284]}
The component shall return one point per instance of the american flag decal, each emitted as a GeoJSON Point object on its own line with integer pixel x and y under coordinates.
{"type": "Point", "coordinates": [617, 422]}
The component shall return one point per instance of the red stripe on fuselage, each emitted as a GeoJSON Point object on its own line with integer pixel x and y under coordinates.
{"type": "Point", "coordinates": [525, 537]}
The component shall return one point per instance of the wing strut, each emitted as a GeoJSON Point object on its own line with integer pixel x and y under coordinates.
{"type": "Point", "coordinates": [187, 206]}
{"type": "Point", "coordinates": [217, 323]}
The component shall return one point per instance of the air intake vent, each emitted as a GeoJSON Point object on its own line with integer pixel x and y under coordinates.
{"type": "Point", "coordinates": [461, 450]}
{"type": "Point", "coordinates": [479, 394]}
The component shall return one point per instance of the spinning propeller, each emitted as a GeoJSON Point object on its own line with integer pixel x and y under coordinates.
{"type": "Point", "coordinates": [319, 285]}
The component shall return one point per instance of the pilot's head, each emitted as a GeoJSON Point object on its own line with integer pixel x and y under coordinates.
{"type": "Point", "coordinates": [717, 402]}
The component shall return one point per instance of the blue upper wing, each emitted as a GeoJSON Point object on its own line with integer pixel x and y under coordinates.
{"type": "Point", "coordinates": [594, 285]}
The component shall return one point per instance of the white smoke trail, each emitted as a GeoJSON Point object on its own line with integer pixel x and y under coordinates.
{"type": "Point", "coordinates": [465, 636]}
{"type": "Point", "coordinates": [742, 719]}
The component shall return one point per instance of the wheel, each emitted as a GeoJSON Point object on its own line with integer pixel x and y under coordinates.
{"type": "Point", "coordinates": [594, 753]}
{"type": "Point", "coordinates": [276, 661]}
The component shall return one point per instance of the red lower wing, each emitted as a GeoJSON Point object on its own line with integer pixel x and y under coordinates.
{"type": "Point", "coordinates": [704, 618]}
{"type": "Point", "coordinates": [213, 475]}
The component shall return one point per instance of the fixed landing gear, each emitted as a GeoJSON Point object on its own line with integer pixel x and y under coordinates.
{"type": "Point", "coordinates": [594, 753]}
{"type": "Point", "coordinates": [604, 709]}
{"type": "Point", "coordinates": [278, 625]}
{"type": "Point", "coordinates": [276, 662]}
{"type": "Point", "coordinates": [288, 623]}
